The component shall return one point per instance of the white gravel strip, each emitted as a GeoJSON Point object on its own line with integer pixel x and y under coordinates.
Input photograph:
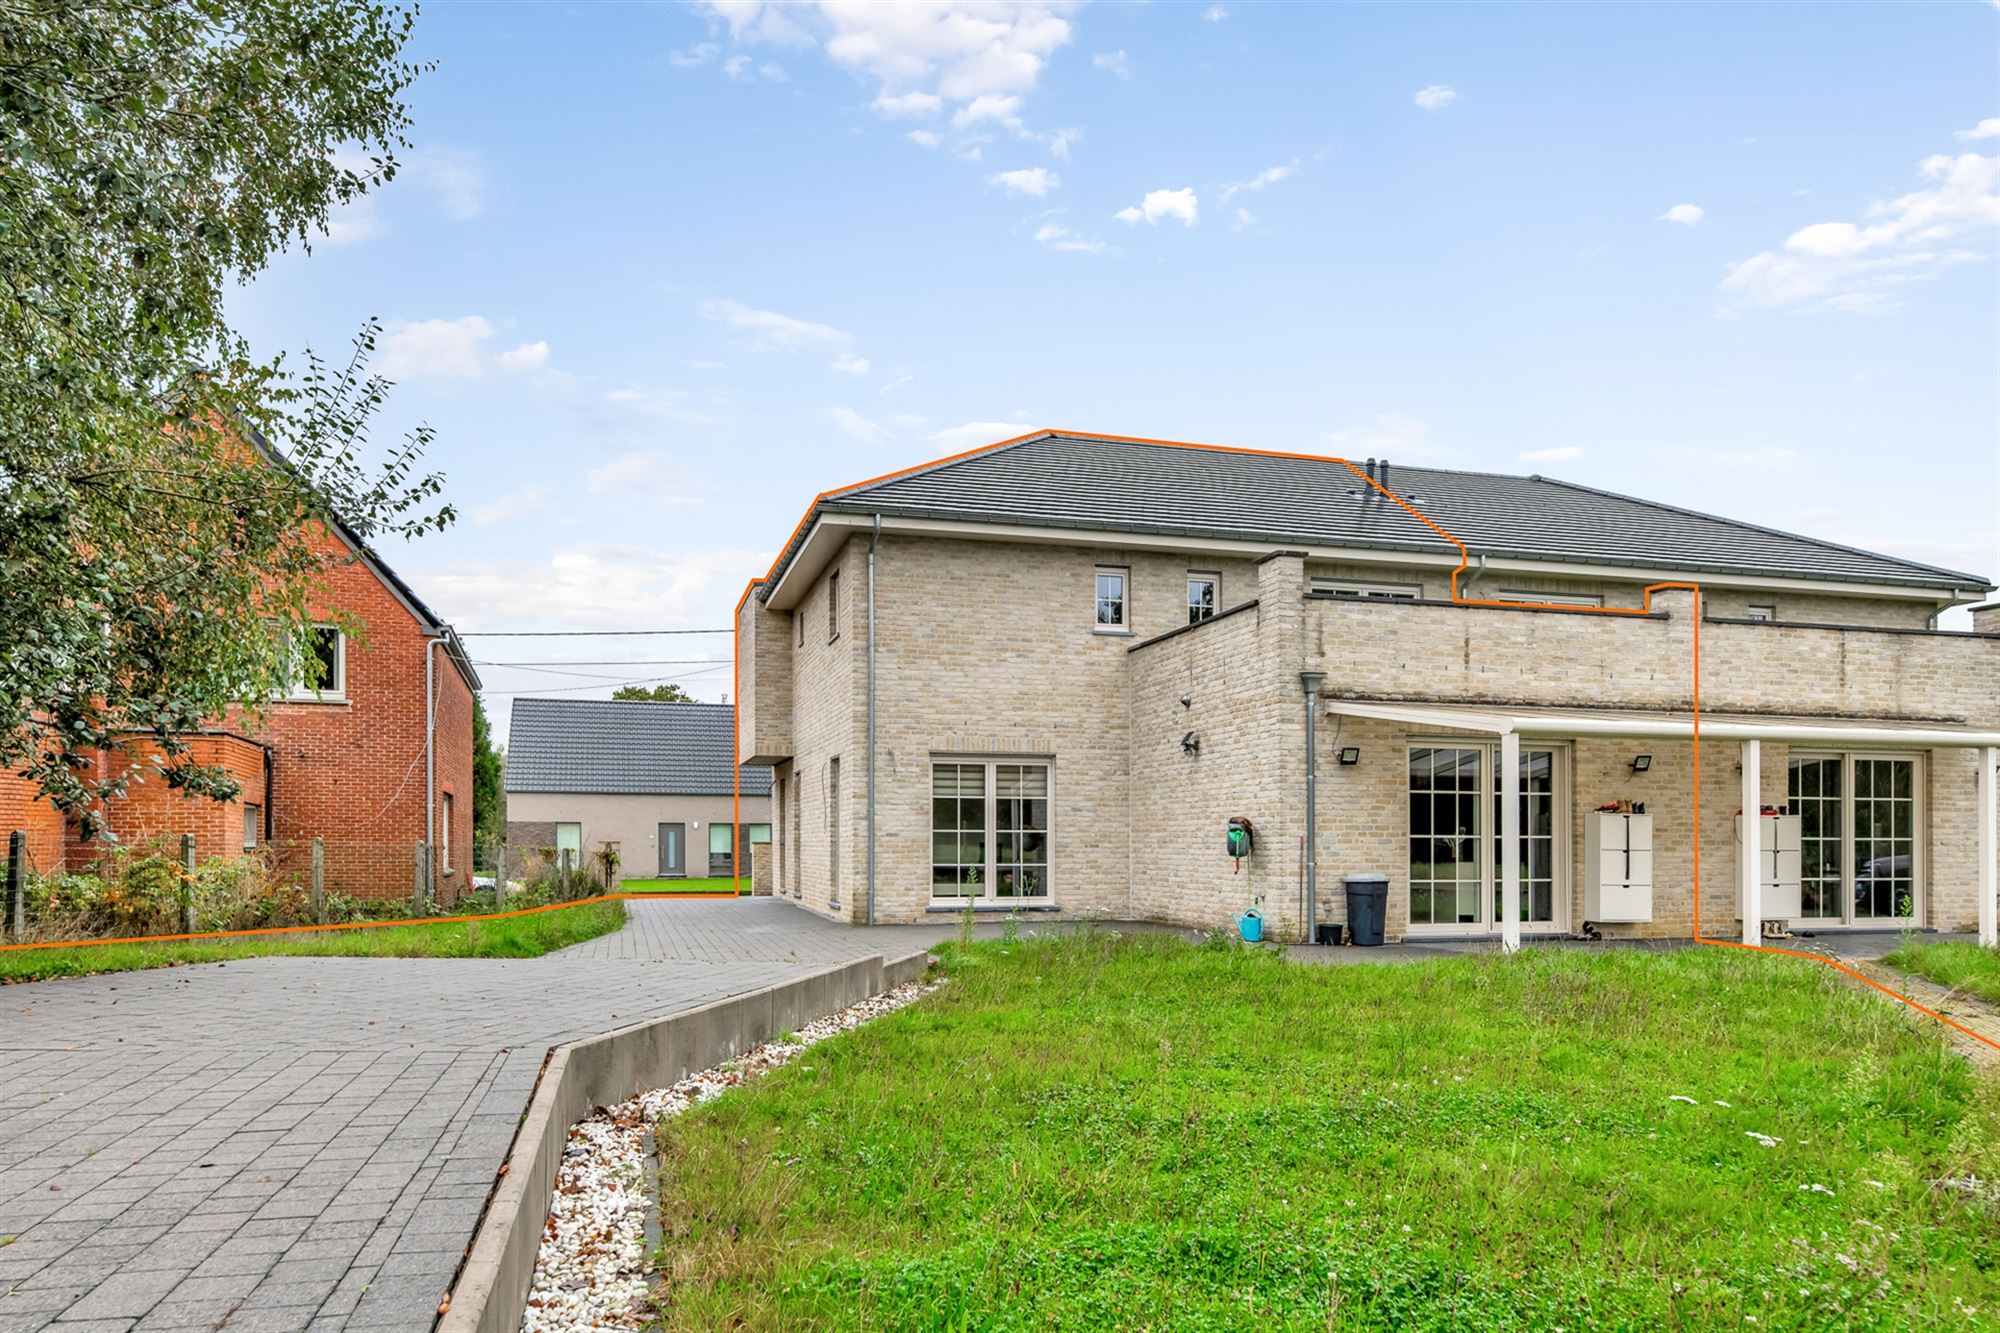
{"type": "Point", "coordinates": [592, 1271]}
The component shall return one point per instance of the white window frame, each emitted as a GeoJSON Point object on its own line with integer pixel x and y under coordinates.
{"type": "Point", "coordinates": [1213, 578]}
{"type": "Point", "coordinates": [1123, 573]}
{"type": "Point", "coordinates": [335, 690]}
{"type": "Point", "coordinates": [1562, 839]}
{"type": "Point", "coordinates": [988, 897]}
{"type": "Point", "coordinates": [1595, 599]}
{"type": "Point", "coordinates": [1390, 592]}
{"type": "Point", "coordinates": [253, 826]}
{"type": "Point", "coordinates": [1760, 611]}
{"type": "Point", "coordinates": [1920, 897]}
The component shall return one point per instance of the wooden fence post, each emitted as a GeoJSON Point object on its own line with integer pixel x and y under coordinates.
{"type": "Point", "coordinates": [420, 891]}
{"type": "Point", "coordinates": [187, 882]}
{"type": "Point", "coordinates": [17, 884]}
{"type": "Point", "coordinates": [317, 900]}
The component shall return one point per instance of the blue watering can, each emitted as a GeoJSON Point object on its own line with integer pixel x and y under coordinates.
{"type": "Point", "coordinates": [1251, 925]}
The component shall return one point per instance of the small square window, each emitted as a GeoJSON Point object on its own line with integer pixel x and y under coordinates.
{"type": "Point", "coordinates": [1761, 613]}
{"type": "Point", "coordinates": [1204, 593]}
{"type": "Point", "coordinates": [1111, 581]}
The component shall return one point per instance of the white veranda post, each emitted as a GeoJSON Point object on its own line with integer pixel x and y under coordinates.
{"type": "Point", "coordinates": [1989, 759]}
{"type": "Point", "coordinates": [1748, 872]}
{"type": "Point", "coordinates": [1510, 841]}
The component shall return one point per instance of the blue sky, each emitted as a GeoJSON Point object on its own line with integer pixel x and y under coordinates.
{"type": "Point", "coordinates": [659, 273]}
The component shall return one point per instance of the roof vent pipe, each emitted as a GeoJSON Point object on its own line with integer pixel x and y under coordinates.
{"type": "Point", "coordinates": [1384, 478]}
{"type": "Point", "coordinates": [1371, 467]}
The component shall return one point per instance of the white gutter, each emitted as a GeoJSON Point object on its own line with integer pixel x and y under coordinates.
{"type": "Point", "coordinates": [1553, 723]}
{"type": "Point", "coordinates": [430, 763]}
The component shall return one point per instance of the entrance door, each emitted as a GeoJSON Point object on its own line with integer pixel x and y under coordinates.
{"type": "Point", "coordinates": [1862, 861]}
{"type": "Point", "coordinates": [673, 861]}
{"type": "Point", "coordinates": [1885, 840]}
{"type": "Point", "coordinates": [1454, 813]}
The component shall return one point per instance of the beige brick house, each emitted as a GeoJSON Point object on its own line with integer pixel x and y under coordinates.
{"type": "Point", "coordinates": [1045, 676]}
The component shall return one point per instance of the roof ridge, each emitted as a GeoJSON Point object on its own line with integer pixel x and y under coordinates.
{"type": "Point", "coordinates": [940, 464]}
{"type": "Point", "coordinates": [1970, 578]}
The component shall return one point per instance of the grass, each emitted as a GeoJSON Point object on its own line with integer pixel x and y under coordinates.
{"type": "Point", "coordinates": [723, 885]}
{"type": "Point", "coordinates": [1953, 963]}
{"type": "Point", "coordinates": [1094, 1133]}
{"type": "Point", "coordinates": [515, 937]}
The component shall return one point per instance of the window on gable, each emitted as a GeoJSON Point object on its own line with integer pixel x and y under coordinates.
{"type": "Point", "coordinates": [320, 668]}
{"type": "Point", "coordinates": [1204, 593]}
{"type": "Point", "coordinates": [1111, 585]}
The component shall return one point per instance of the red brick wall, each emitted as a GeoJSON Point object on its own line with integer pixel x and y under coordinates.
{"type": "Point", "coordinates": [151, 809]}
{"type": "Point", "coordinates": [22, 808]}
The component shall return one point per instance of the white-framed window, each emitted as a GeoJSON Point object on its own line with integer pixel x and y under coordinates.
{"type": "Point", "coordinates": [1552, 598]}
{"type": "Point", "coordinates": [1396, 592]}
{"type": "Point", "coordinates": [569, 845]}
{"type": "Point", "coordinates": [989, 830]}
{"type": "Point", "coordinates": [1764, 612]}
{"type": "Point", "coordinates": [833, 606]}
{"type": "Point", "coordinates": [444, 833]}
{"type": "Point", "coordinates": [1204, 595]}
{"type": "Point", "coordinates": [1454, 836]}
{"type": "Point", "coordinates": [319, 665]}
{"type": "Point", "coordinates": [253, 825]}
{"type": "Point", "coordinates": [1861, 857]}
{"type": "Point", "coordinates": [1113, 583]}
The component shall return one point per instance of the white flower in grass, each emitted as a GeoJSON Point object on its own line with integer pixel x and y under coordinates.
{"type": "Point", "coordinates": [1816, 1189]}
{"type": "Point", "coordinates": [1678, 1098]}
{"type": "Point", "coordinates": [1725, 1106]}
{"type": "Point", "coordinates": [1764, 1139]}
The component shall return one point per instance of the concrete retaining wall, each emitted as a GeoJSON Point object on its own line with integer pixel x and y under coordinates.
{"type": "Point", "coordinates": [491, 1292]}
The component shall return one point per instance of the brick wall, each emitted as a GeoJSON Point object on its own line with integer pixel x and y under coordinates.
{"type": "Point", "coordinates": [151, 810]}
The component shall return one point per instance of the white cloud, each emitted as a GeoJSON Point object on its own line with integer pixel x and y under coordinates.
{"type": "Point", "coordinates": [897, 106]}
{"type": "Point", "coordinates": [1268, 176]}
{"type": "Point", "coordinates": [1857, 267]}
{"type": "Point", "coordinates": [924, 138]}
{"type": "Point", "coordinates": [952, 51]}
{"type": "Point", "coordinates": [596, 586]}
{"type": "Point", "coordinates": [1060, 141]}
{"type": "Point", "coordinates": [361, 219]}
{"type": "Point", "coordinates": [1685, 214]}
{"type": "Point", "coordinates": [1567, 453]}
{"type": "Point", "coordinates": [1244, 219]}
{"type": "Point", "coordinates": [1215, 13]}
{"type": "Point", "coordinates": [694, 57]}
{"type": "Point", "coordinates": [768, 328]}
{"type": "Point", "coordinates": [1985, 129]}
{"type": "Point", "coordinates": [1058, 237]}
{"type": "Point", "coordinates": [451, 349]}
{"type": "Point", "coordinates": [1389, 435]}
{"type": "Point", "coordinates": [773, 72]}
{"type": "Point", "coordinates": [736, 65]}
{"type": "Point", "coordinates": [957, 439]}
{"type": "Point", "coordinates": [856, 425]}
{"type": "Point", "coordinates": [1113, 62]}
{"type": "Point", "coordinates": [648, 471]}
{"type": "Point", "coordinates": [454, 176]}
{"type": "Point", "coordinates": [518, 505]}
{"type": "Point", "coordinates": [1036, 181]}
{"type": "Point", "coordinates": [670, 404]}
{"type": "Point", "coordinates": [1163, 204]}
{"type": "Point", "coordinates": [1002, 109]}
{"type": "Point", "coordinates": [1436, 97]}
{"type": "Point", "coordinates": [849, 364]}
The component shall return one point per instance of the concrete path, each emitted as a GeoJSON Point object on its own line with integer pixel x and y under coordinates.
{"type": "Point", "coordinates": [279, 1144]}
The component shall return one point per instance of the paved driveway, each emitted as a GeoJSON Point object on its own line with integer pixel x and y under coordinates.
{"type": "Point", "coordinates": [293, 1143]}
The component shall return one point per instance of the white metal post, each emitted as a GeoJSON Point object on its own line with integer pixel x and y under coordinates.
{"type": "Point", "coordinates": [1750, 873]}
{"type": "Point", "coordinates": [1510, 841]}
{"type": "Point", "coordinates": [1989, 759]}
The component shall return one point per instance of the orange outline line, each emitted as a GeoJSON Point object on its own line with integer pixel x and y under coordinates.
{"type": "Point", "coordinates": [365, 925]}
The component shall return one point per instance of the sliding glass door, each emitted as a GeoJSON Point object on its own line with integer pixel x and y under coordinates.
{"type": "Point", "coordinates": [1858, 817]}
{"type": "Point", "coordinates": [1454, 839]}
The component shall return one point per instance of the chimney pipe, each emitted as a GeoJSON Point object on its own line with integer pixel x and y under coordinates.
{"type": "Point", "coordinates": [1384, 478]}
{"type": "Point", "coordinates": [1371, 467]}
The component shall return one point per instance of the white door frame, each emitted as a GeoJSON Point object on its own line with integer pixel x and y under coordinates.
{"type": "Point", "coordinates": [1920, 831]}
{"type": "Point", "coordinates": [1562, 848]}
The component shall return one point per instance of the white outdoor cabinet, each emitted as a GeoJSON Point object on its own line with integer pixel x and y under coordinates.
{"type": "Point", "coordinates": [1617, 867]}
{"type": "Point", "coordinates": [1781, 867]}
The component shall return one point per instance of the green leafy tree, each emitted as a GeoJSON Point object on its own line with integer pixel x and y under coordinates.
{"type": "Point", "coordinates": [659, 694]}
{"type": "Point", "coordinates": [489, 793]}
{"type": "Point", "coordinates": [161, 491]}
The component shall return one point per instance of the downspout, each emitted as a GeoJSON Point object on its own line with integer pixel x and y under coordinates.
{"type": "Point", "coordinates": [269, 819]}
{"type": "Point", "coordinates": [873, 537]}
{"type": "Point", "coordinates": [430, 762]}
{"type": "Point", "coordinates": [1311, 680]}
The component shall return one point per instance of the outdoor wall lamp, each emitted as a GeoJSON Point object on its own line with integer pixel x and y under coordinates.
{"type": "Point", "coordinates": [1641, 762]}
{"type": "Point", "coordinates": [1350, 755]}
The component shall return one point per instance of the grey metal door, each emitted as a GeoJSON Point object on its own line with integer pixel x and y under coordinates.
{"type": "Point", "coordinates": [672, 836]}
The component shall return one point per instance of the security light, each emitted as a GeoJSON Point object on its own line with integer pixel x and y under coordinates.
{"type": "Point", "coordinates": [1350, 755]}
{"type": "Point", "coordinates": [1641, 762]}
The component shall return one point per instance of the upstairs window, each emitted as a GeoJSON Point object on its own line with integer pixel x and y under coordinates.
{"type": "Point", "coordinates": [1399, 592]}
{"type": "Point", "coordinates": [1111, 583]}
{"type": "Point", "coordinates": [1761, 613]}
{"type": "Point", "coordinates": [1204, 592]}
{"type": "Point", "coordinates": [833, 606]}
{"type": "Point", "coordinates": [320, 665]}
{"type": "Point", "coordinates": [1553, 598]}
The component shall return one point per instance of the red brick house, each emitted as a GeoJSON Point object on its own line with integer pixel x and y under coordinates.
{"type": "Point", "coordinates": [349, 763]}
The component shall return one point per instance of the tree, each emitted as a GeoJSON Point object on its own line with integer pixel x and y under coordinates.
{"type": "Point", "coordinates": [659, 694]}
{"type": "Point", "coordinates": [489, 794]}
{"type": "Point", "coordinates": [161, 492]}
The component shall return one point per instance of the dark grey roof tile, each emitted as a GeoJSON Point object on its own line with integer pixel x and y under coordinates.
{"type": "Point", "coordinates": [625, 747]}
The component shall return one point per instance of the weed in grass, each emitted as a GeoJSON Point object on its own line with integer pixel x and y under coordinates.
{"type": "Point", "coordinates": [1956, 963]}
{"type": "Point", "coordinates": [1094, 1132]}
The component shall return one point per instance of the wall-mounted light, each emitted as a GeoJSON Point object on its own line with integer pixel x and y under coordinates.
{"type": "Point", "coordinates": [1190, 744]}
{"type": "Point", "coordinates": [1641, 762]}
{"type": "Point", "coordinates": [1350, 755]}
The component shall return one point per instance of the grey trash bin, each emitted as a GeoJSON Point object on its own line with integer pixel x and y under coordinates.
{"type": "Point", "coordinates": [1367, 907]}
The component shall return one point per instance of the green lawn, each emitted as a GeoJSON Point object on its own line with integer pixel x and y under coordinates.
{"type": "Point", "coordinates": [1145, 1134]}
{"type": "Point", "coordinates": [514, 937]}
{"type": "Point", "coordinates": [724, 885]}
{"type": "Point", "coordinates": [1952, 963]}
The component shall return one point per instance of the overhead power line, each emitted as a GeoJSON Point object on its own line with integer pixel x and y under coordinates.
{"type": "Point", "coordinates": [580, 633]}
{"type": "Point", "coordinates": [634, 661]}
